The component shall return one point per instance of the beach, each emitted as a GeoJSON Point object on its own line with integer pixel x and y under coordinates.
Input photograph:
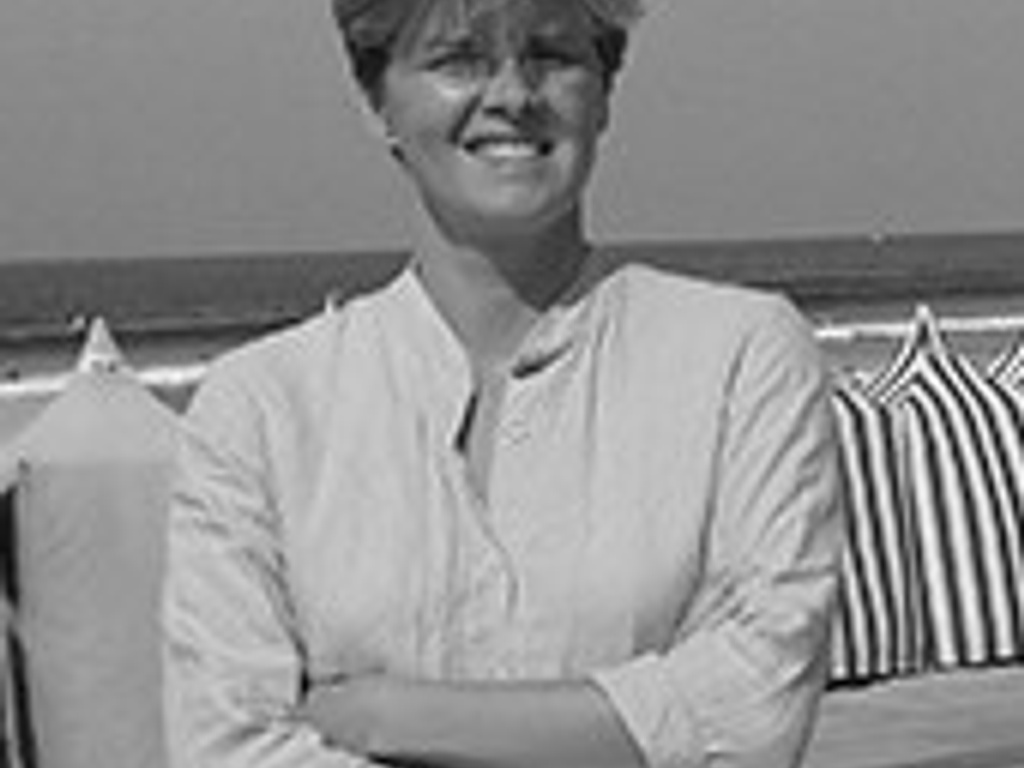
{"type": "Point", "coordinates": [955, 719]}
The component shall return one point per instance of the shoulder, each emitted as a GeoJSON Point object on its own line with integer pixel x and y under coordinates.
{"type": "Point", "coordinates": [286, 369]}
{"type": "Point", "coordinates": [271, 360]}
{"type": "Point", "coordinates": [720, 316]}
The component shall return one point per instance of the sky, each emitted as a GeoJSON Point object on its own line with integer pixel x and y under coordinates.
{"type": "Point", "coordinates": [183, 127]}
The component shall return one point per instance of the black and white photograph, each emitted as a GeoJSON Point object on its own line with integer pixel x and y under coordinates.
{"type": "Point", "coordinates": [512, 384]}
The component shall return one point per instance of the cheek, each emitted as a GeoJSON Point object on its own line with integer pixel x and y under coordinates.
{"type": "Point", "coordinates": [597, 106]}
{"type": "Point", "coordinates": [424, 115]}
{"type": "Point", "coordinates": [582, 107]}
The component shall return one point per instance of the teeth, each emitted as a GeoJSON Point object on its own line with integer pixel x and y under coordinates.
{"type": "Point", "coordinates": [509, 150]}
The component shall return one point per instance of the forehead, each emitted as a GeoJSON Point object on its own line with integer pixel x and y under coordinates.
{"type": "Point", "coordinates": [508, 19]}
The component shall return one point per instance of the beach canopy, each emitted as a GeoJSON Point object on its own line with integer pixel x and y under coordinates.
{"type": "Point", "coordinates": [87, 540]}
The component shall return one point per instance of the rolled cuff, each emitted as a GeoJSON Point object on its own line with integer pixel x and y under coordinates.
{"type": "Point", "coordinates": [667, 737]}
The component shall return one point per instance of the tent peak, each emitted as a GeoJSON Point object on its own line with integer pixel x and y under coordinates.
{"type": "Point", "coordinates": [100, 352]}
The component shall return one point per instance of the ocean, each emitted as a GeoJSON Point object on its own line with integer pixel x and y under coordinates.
{"type": "Point", "coordinates": [169, 315]}
{"type": "Point", "coordinates": [44, 298]}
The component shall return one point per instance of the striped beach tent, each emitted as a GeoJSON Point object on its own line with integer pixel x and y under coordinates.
{"type": "Point", "coordinates": [1008, 368]}
{"type": "Point", "coordinates": [890, 383]}
{"type": "Point", "coordinates": [963, 436]}
{"type": "Point", "coordinates": [877, 631]}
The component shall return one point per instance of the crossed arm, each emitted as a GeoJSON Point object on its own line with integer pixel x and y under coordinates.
{"type": "Point", "coordinates": [446, 725]}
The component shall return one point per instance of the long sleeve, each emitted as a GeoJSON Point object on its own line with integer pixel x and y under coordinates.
{"type": "Point", "coordinates": [232, 651]}
{"type": "Point", "coordinates": [740, 684]}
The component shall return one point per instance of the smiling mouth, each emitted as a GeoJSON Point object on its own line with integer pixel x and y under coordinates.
{"type": "Point", "coordinates": [508, 148]}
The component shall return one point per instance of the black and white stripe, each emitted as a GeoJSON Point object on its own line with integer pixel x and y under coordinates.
{"type": "Point", "coordinates": [922, 338]}
{"type": "Point", "coordinates": [1008, 368]}
{"type": "Point", "coordinates": [877, 631]}
{"type": "Point", "coordinates": [16, 740]}
{"type": "Point", "coordinates": [964, 451]}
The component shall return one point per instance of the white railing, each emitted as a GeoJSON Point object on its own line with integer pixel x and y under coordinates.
{"type": "Point", "coordinates": [895, 329]}
{"type": "Point", "coordinates": [189, 374]}
{"type": "Point", "coordinates": [162, 376]}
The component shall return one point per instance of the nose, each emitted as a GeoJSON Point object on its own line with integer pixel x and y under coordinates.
{"type": "Point", "coordinates": [510, 88]}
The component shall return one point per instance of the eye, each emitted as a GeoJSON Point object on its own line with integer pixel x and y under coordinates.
{"type": "Point", "coordinates": [458, 61]}
{"type": "Point", "coordinates": [554, 54]}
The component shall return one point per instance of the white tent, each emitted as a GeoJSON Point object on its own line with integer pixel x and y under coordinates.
{"type": "Point", "coordinates": [91, 486]}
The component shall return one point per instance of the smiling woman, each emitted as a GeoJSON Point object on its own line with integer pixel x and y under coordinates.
{"type": "Point", "coordinates": [493, 109]}
{"type": "Point", "coordinates": [524, 505]}
{"type": "Point", "coordinates": [496, 115]}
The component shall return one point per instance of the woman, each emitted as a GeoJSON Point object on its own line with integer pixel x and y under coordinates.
{"type": "Point", "coordinates": [519, 507]}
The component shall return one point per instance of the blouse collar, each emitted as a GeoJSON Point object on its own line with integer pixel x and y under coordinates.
{"type": "Point", "coordinates": [564, 327]}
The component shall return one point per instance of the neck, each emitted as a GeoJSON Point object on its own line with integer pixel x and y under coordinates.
{"type": "Point", "coordinates": [492, 291]}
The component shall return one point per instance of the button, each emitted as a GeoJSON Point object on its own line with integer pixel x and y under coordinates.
{"type": "Point", "coordinates": [516, 430]}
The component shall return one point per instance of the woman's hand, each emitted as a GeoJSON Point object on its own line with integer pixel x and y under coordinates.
{"type": "Point", "coordinates": [350, 713]}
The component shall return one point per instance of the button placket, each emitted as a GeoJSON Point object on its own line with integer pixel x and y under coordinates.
{"type": "Point", "coordinates": [517, 418]}
{"type": "Point", "coordinates": [478, 611]}
{"type": "Point", "coordinates": [488, 584]}
{"type": "Point", "coordinates": [515, 431]}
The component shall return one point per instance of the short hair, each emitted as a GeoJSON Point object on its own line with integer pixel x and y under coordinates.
{"type": "Point", "coordinates": [369, 42]}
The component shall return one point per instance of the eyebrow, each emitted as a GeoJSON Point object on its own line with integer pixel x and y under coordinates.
{"type": "Point", "coordinates": [551, 35]}
{"type": "Point", "coordinates": [558, 37]}
{"type": "Point", "coordinates": [450, 39]}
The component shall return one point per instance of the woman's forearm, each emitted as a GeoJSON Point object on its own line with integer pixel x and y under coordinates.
{"type": "Point", "coordinates": [474, 725]}
{"type": "Point", "coordinates": [502, 725]}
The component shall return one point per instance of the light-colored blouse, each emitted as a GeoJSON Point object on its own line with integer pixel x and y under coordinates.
{"type": "Point", "coordinates": [661, 518]}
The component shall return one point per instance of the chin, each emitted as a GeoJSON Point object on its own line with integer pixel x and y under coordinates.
{"type": "Point", "coordinates": [518, 219]}
{"type": "Point", "coordinates": [523, 211]}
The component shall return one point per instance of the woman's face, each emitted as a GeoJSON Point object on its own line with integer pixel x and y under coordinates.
{"type": "Point", "coordinates": [497, 111]}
